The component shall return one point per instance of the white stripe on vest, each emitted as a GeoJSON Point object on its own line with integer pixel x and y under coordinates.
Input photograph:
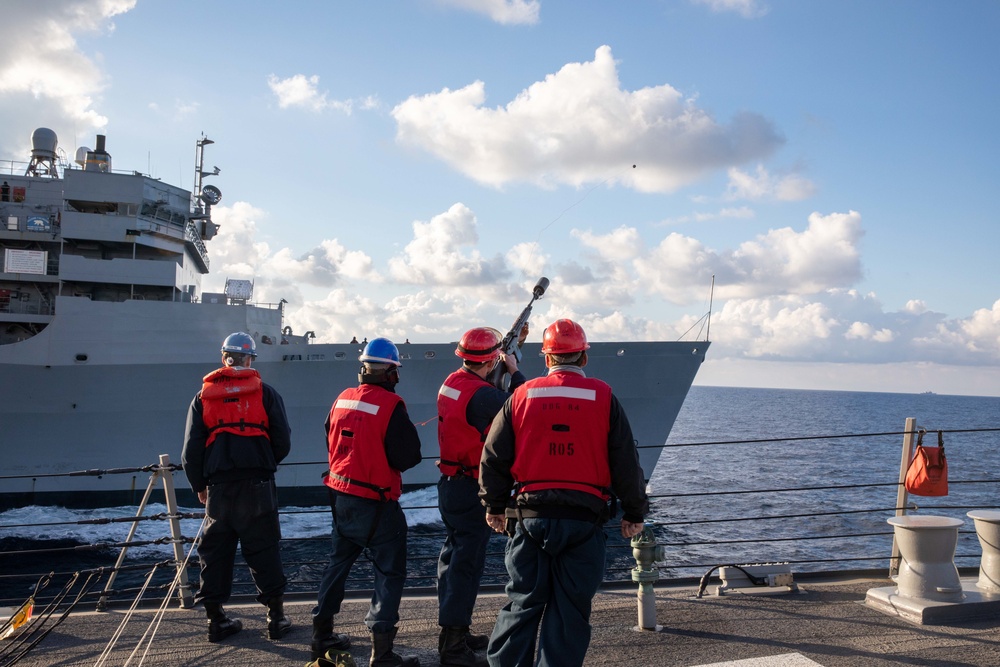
{"type": "Point", "coordinates": [563, 392]}
{"type": "Point", "coordinates": [350, 404]}
{"type": "Point", "coordinates": [449, 392]}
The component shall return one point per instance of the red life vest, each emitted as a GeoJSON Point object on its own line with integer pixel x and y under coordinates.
{"type": "Point", "coordinates": [561, 424]}
{"type": "Point", "coordinates": [359, 419]}
{"type": "Point", "coordinates": [232, 401]}
{"type": "Point", "coordinates": [461, 443]}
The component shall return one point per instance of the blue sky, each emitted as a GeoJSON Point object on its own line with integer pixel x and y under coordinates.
{"type": "Point", "coordinates": [411, 168]}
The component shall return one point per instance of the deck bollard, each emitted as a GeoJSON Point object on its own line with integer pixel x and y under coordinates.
{"type": "Point", "coordinates": [646, 552]}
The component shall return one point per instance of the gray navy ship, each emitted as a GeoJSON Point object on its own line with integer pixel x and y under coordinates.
{"type": "Point", "coordinates": [105, 334]}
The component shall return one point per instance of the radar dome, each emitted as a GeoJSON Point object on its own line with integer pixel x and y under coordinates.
{"type": "Point", "coordinates": [43, 143]}
{"type": "Point", "coordinates": [81, 156]}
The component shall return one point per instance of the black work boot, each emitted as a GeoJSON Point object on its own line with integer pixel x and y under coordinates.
{"type": "Point", "coordinates": [477, 642]}
{"type": "Point", "coordinates": [325, 639]}
{"type": "Point", "coordinates": [454, 648]}
{"type": "Point", "coordinates": [278, 625]}
{"type": "Point", "coordinates": [219, 625]}
{"type": "Point", "coordinates": [383, 655]}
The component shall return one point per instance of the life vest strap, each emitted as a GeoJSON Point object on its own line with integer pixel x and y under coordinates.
{"type": "Point", "coordinates": [462, 468]}
{"type": "Point", "coordinates": [519, 486]}
{"type": "Point", "coordinates": [242, 425]}
{"type": "Point", "coordinates": [380, 490]}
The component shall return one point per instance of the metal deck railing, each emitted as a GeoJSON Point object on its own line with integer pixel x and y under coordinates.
{"type": "Point", "coordinates": [813, 528]}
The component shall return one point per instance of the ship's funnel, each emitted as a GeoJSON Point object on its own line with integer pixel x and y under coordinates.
{"type": "Point", "coordinates": [98, 159]}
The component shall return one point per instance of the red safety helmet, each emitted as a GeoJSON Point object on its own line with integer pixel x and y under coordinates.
{"type": "Point", "coordinates": [479, 345]}
{"type": "Point", "coordinates": [564, 337]}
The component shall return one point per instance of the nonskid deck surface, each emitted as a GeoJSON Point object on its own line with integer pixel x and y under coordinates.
{"type": "Point", "coordinates": [826, 623]}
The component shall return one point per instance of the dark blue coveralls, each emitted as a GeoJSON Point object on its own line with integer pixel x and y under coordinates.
{"type": "Point", "coordinates": [463, 555]}
{"type": "Point", "coordinates": [242, 507]}
{"type": "Point", "coordinates": [379, 527]}
{"type": "Point", "coordinates": [556, 557]}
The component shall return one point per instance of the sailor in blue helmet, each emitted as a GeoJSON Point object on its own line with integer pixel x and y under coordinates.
{"type": "Point", "coordinates": [236, 435]}
{"type": "Point", "coordinates": [370, 441]}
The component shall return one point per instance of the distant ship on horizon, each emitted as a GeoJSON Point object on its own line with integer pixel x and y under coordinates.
{"type": "Point", "coordinates": [105, 334]}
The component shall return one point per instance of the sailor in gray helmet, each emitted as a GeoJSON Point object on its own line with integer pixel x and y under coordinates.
{"type": "Point", "coordinates": [237, 433]}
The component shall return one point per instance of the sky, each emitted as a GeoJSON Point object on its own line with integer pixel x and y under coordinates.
{"type": "Point", "coordinates": [410, 169]}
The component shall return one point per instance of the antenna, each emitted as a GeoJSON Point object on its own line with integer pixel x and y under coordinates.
{"type": "Point", "coordinates": [711, 297]}
{"type": "Point", "coordinates": [213, 194]}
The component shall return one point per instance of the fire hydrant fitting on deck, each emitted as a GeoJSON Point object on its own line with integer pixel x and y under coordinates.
{"type": "Point", "coordinates": [646, 552]}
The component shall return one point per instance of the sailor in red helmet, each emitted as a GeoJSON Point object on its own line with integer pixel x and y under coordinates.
{"type": "Point", "coordinates": [562, 445]}
{"type": "Point", "coordinates": [371, 440]}
{"type": "Point", "coordinates": [467, 404]}
{"type": "Point", "coordinates": [236, 435]}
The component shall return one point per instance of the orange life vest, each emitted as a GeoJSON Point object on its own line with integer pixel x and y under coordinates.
{"type": "Point", "coordinates": [461, 443]}
{"type": "Point", "coordinates": [561, 424]}
{"type": "Point", "coordinates": [359, 419]}
{"type": "Point", "coordinates": [232, 401]}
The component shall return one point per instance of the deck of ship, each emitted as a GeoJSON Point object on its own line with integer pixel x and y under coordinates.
{"type": "Point", "coordinates": [825, 623]}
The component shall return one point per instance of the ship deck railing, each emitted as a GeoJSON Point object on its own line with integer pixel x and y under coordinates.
{"type": "Point", "coordinates": [698, 529]}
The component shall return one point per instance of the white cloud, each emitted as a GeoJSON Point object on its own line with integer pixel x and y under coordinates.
{"type": "Point", "coordinates": [982, 331]}
{"type": "Point", "coordinates": [323, 265]}
{"type": "Point", "coordinates": [507, 12]}
{"type": "Point", "coordinates": [621, 244]}
{"type": "Point", "coordinates": [846, 326]}
{"type": "Point", "coordinates": [787, 297]}
{"type": "Point", "coordinates": [278, 274]}
{"type": "Point", "coordinates": [41, 60]}
{"type": "Point", "coordinates": [579, 126]}
{"type": "Point", "coordinates": [527, 258]}
{"type": "Point", "coordinates": [865, 331]}
{"type": "Point", "coordinates": [740, 212]}
{"type": "Point", "coordinates": [435, 255]}
{"type": "Point", "coordinates": [235, 251]}
{"type": "Point", "coordinates": [782, 261]}
{"type": "Point", "coordinates": [762, 185]}
{"type": "Point", "coordinates": [302, 91]}
{"type": "Point", "coordinates": [748, 9]}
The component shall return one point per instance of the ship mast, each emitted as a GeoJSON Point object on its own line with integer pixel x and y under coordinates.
{"type": "Point", "coordinates": [204, 197]}
{"type": "Point", "coordinates": [208, 194]}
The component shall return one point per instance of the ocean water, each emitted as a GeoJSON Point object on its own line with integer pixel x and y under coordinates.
{"type": "Point", "coordinates": [841, 528]}
{"type": "Point", "coordinates": [719, 491]}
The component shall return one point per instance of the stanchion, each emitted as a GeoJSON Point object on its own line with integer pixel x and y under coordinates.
{"type": "Point", "coordinates": [165, 473]}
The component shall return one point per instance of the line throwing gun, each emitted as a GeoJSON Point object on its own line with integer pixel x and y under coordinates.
{"type": "Point", "coordinates": [498, 377]}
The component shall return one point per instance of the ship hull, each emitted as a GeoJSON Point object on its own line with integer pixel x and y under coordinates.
{"type": "Point", "coordinates": [62, 418]}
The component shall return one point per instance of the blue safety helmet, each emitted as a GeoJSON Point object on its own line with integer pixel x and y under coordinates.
{"type": "Point", "coordinates": [380, 351]}
{"type": "Point", "coordinates": [239, 343]}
